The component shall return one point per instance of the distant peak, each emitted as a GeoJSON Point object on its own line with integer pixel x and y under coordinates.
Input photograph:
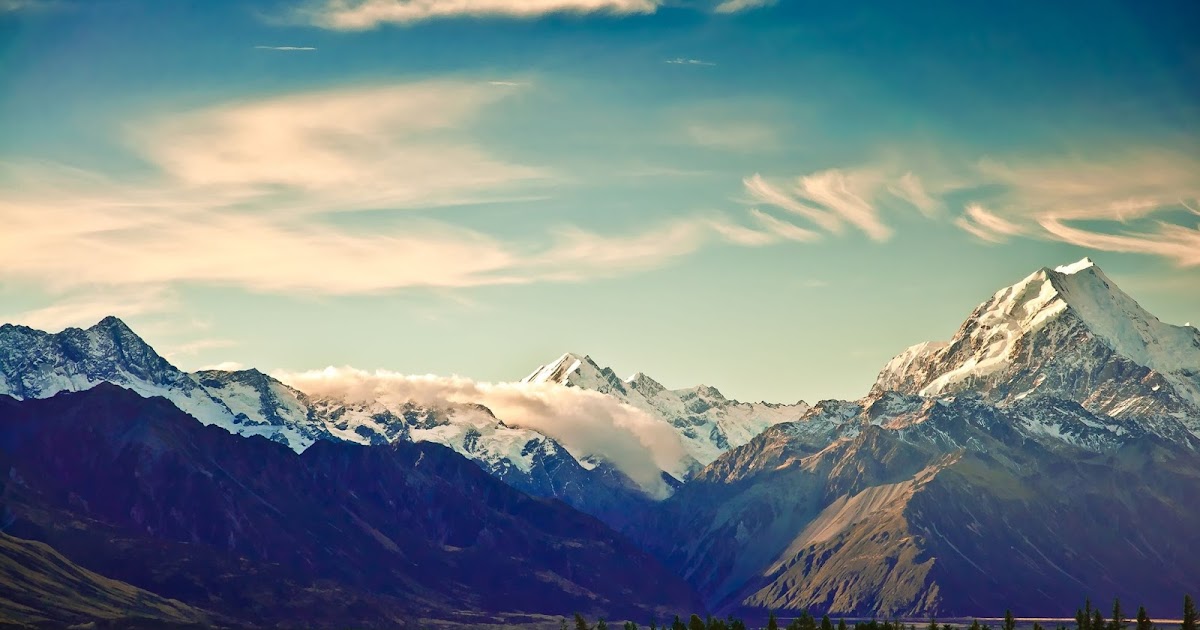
{"type": "Point", "coordinates": [113, 325]}
{"type": "Point", "coordinates": [561, 369]}
{"type": "Point", "coordinates": [1076, 267]}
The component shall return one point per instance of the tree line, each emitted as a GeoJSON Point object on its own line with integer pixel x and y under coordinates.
{"type": "Point", "coordinates": [1086, 618]}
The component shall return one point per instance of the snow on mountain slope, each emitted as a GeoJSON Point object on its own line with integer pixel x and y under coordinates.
{"type": "Point", "coordinates": [1068, 332]}
{"type": "Point", "coordinates": [37, 364]}
{"type": "Point", "coordinates": [708, 423]}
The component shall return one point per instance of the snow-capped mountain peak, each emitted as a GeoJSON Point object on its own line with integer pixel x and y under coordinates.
{"type": "Point", "coordinates": [708, 423]}
{"type": "Point", "coordinates": [1077, 266]}
{"type": "Point", "coordinates": [1068, 331]}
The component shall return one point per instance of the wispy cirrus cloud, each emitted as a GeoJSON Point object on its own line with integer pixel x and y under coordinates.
{"type": "Point", "coordinates": [246, 194]}
{"type": "Point", "coordinates": [357, 15]}
{"type": "Point", "coordinates": [737, 6]}
{"type": "Point", "coordinates": [685, 61]}
{"type": "Point", "coordinates": [831, 199]}
{"type": "Point", "coordinates": [1128, 201]}
{"type": "Point", "coordinates": [986, 226]}
{"type": "Point", "coordinates": [287, 48]}
{"type": "Point", "coordinates": [81, 308]}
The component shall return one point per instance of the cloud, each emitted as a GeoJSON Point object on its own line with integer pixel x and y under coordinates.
{"type": "Point", "coordinates": [224, 366]}
{"type": "Point", "coordinates": [1177, 243]}
{"type": "Point", "coordinates": [356, 15]}
{"type": "Point", "coordinates": [286, 48]}
{"type": "Point", "coordinates": [735, 136]}
{"type": "Point", "coordinates": [586, 423]}
{"type": "Point", "coordinates": [737, 6]}
{"type": "Point", "coordinates": [910, 188]}
{"type": "Point", "coordinates": [246, 195]}
{"type": "Point", "coordinates": [987, 226]}
{"type": "Point", "coordinates": [84, 308]}
{"type": "Point", "coordinates": [1126, 201]}
{"type": "Point", "coordinates": [1118, 195]}
{"type": "Point", "coordinates": [831, 199]}
{"type": "Point", "coordinates": [683, 61]}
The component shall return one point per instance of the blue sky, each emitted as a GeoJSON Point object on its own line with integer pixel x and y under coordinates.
{"type": "Point", "coordinates": [773, 198]}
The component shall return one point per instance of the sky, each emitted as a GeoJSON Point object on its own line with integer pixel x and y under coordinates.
{"type": "Point", "coordinates": [773, 198]}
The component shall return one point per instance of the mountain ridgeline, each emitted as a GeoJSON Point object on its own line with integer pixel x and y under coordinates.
{"type": "Point", "coordinates": [1047, 452]}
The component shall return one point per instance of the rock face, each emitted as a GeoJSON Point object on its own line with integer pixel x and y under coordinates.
{"type": "Point", "coordinates": [1044, 455]}
{"type": "Point", "coordinates": [340, 535]}
{"type": "Point", "coordinates": [708, 423]}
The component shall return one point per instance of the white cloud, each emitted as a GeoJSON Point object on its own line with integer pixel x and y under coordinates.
{"type": "Point", "coordinates": [242, 194]}
{"type": "Point", "coordinates": [84, 308]}
{"type": "Point", "coordinates": [224, 366]}
{"type": "Point", "coordinates": [1122, 191]}
{"type": "Point", "coordinates": [987, 226]}
{"type": "Point", "coordinates": [1177, 243]}
{"type": "Point", "coordinates": [831, 199]}
{"type": "Point", "coordinates": [1136, 193]}
{"type": "Point", "coordinates": [287, 48]}
{"type": "Point", "coordinates": [910, 188]}
{"type": "Point", "coordinates": [355, 15]}
{"type": "Point", "coordinates": [684, 61]}
{"type": "Point", "coordinates": [736, 6]}
{"type": "Point", "coordinates": [587, 423]}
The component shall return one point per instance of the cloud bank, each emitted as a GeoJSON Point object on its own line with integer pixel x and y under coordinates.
{"type": "Point", "coordinates": [586, 423]}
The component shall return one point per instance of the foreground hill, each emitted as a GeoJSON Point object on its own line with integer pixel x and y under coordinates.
{"type": "Point", "coordinates": [343, 534]}
{"type": "Point", "coordinates": [40, 586]}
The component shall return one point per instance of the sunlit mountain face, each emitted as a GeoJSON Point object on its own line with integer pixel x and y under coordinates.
{"type": "Point", "coordinates": [484, 313]}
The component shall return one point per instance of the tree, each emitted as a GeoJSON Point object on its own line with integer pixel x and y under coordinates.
{"type": "Point", "coordinates": [773, 623]}
{"type": "Point", "coordinates": [736, 624]}
{"type": "Point", "coordinates": [1037, 626]}
{"type": "Point", "coordinates": [826, 623]}
{"type": "Point", "coordinates": [1189, 614]}
{"type": "Point", "coordinates": [602, 624]}
{"type": "Point", "coordinates": [1009, 622]}
{"type": "Point", "coordinates": [678, 624]}
{"type": "Point", "coordinates": [1118, 618]}
{"type": "Point", "coordinates": [696, 623]}
{"type": "Point", "coordinates": [975, 625]}
{"type": "Point", "coordinates": [1097, 620]}
{"type": "Point", "coordinates": [933, 624]}
{"type": "Point", "coordinates": [581, 623]}
{"type": "Point", "coordinates": [842, 624]}
{"type": "Point", "coordinates": [629, 625]}
{"type": "Point", "coordinates": [1143, 620]}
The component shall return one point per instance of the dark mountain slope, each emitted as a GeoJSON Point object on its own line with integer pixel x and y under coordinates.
{"type": "Point", "coordinates": [340, 535]}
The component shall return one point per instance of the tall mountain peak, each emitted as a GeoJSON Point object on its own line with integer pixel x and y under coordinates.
{"type": "Point", "coordinates": [1069, 331]}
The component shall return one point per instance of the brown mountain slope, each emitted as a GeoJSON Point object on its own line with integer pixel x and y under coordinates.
{"type": "Point", "coordinates": [38, 585]}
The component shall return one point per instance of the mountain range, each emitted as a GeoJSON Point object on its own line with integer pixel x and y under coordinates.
{"type": "Point", "coordinates": [1049, 451]}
